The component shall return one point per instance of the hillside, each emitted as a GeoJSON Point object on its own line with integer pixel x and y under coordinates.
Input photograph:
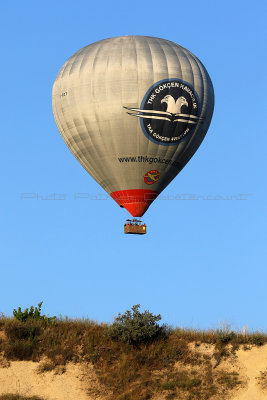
{"type": "Point", "coordinates": [70, 359]}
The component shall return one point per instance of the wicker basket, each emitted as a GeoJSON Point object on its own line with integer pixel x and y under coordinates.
{"type": "Point", "coordinates": [135, 229]}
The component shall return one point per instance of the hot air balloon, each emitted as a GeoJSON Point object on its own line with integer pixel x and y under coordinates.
{"type": "Point", "coordinates": [133, 110]}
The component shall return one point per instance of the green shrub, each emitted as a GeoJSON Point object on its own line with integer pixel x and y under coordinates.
{"type": "Point", "coordinates": [134, 327]}
{"type": "Point", "coordinates": [32, 313]}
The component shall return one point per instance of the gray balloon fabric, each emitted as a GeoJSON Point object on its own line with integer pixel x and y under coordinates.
{"type": "Point", "coordinates": [133, 110]}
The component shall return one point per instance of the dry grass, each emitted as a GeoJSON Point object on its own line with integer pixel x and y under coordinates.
{"type": "Point", "coordinates": [172, 366]}
{"type": "Point", "coordinates": [262, 380]}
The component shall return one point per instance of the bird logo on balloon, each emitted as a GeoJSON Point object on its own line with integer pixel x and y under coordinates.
{"type": "Point", "coordinates": [168, 125]}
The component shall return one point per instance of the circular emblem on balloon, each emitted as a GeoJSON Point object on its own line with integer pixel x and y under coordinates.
{"type": "Point", "coordinates": [169, 111]}
{"type": "Point", "coordinates": [151, 177]}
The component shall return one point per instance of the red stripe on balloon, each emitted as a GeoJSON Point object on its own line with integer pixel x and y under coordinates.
{"type": "Point", "coordinates": [136, 201]}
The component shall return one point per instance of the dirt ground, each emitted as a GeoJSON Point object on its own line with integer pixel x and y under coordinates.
{"type": "Point", "coordinates": [252, 363]}
{"type": "Point", "coordinates": [22, 377]}
{"type": "Point", "coordinates": [74, 383]}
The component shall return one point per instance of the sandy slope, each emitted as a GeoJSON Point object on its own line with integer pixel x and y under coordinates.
{"type": "Point", "coordinates": [252, 362]}
{"type": "Point", "coordinates": [21, 377]}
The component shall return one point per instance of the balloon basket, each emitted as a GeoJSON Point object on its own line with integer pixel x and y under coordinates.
{"type": "Point", "coordinates": [134, 227]}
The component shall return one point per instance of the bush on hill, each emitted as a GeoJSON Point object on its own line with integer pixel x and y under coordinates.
{"type": "Point", "coordinates": [32, 313]}
{"type": "Point", "coordinates": [134, 327]}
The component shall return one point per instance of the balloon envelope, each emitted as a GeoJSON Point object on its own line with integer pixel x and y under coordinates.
{"type": "Point", "coordinates": [133, 110]}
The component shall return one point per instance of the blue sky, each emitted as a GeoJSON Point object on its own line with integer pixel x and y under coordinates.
{"type": "Point", "coordinates": [203, 261]}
